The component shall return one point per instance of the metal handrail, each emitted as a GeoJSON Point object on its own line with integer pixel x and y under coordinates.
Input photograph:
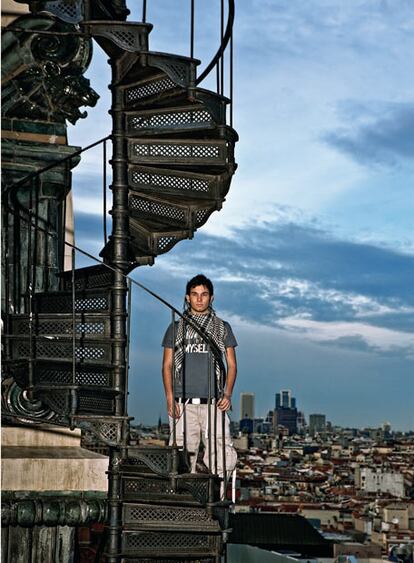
{"type": "Point", "coordinates": [200, 332]}
{"type": "Point", "coordinates": [224, 42]}
{"type": "Point", "coordinates": [37, 173]}
{"type": "Point", "coordinates": [216, 352]}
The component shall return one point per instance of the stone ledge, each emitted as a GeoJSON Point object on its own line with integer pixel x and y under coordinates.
{"type": "Point", "coordinates": [45, 435]}
{"type": "Point", "coordinates": [54, 468]}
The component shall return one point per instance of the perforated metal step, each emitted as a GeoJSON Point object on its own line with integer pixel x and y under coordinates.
{"type": "Point", "coordinates": [169, 214]}
{"type": "Point", "coordinates": [151, 90]}
{"type": "Point", "coordinates": [177, 152]}
{"type": "Point", "coordinates": [190, 488]}
{"type": "Point", "coordinates": [95, 378]}
{"type": "Point", "coordinates": [95, 325]}
{"type": "Point", "coordinates": [88, 402]}
{"type": "Point", "coordinates": [117, 37]}
{"type": "Point", "coordinates": [132, 559]}
{"type": "Point", "coordinates": [184, 119]}
{"type": "Point", "coordinates": [167, 544]}
{"type": "Point", "coordinates": [86, 301]}
{"type": "Point", "coordinates": [85, 350]}
{"type": "Point", "coordinates": [146, 241]}
{"type": "Point", "coordinates": [186, 185]}
{"type": "Point", "coordinates": [138, 516]}
{"type": "Point", "coordinates": [91, 277]}
{"type": "Point", "coordinates": [178, 70]}
{"type": "Point", "coordinates": [153, 459]}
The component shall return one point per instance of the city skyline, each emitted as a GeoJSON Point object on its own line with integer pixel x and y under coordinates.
{"type": "Point", "coordinates": [312, 255]}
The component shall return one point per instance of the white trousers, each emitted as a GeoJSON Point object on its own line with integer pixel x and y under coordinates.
{"type": "Point", "coordinates": [196, 425]}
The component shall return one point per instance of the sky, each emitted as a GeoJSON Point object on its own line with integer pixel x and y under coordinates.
{"type": "Point", "coordinates": [312, 255]}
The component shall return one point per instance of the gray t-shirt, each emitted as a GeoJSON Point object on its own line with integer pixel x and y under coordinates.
{"type": "Point", "coordinates": [194, 375]}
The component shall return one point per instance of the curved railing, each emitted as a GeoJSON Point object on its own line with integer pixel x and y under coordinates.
{"type": "Point", "coordinates": [217, 61]}
{"type": "Point", "coordinates": [226, 38]}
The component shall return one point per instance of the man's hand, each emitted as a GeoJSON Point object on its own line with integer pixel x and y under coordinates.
{"type": "Point", "coordinates": [170, 405]}
{"type": "Point", "coordinates": [224, 404]}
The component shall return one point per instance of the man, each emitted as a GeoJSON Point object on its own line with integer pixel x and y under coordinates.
{"type": "Point", "coordinates": [194, 364]}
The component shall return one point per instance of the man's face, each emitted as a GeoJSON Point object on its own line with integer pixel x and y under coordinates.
{"type": "Point", "coordinates": [199, 299]}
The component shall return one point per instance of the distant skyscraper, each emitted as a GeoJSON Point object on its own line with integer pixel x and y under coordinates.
{"type": "Point", "coordinates": [286, 412]}
{"type": "Point", "coordinates": [247, 406]}
{"type": "Point", "coordinates": [301, 422]}
{"type": "Point", "coordinates": [317, 423]}
{"type": "Point", "coordinates": [286, 398]}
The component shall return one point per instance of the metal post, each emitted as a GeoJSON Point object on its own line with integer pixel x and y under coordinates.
{"type": "Point", "coordinates": [119, 260]}
{"type": "Point", "coordinates": [35, 235]}
{"type": "Point", "coordinates": [215, 421]}
{"type": "Point", "coordinates": [7, 265]}
{"type": "Point", "coordinates": [223, 438]}
{"type": "Point", "coordinates": [29, 225]}
{"type": "Point", "coordinates": [144, 11]}
{"type": "Point", "coordinates": [231, 80]}
{"type": "Point", "coordinates": [73, 393]}
{"type": "Point", "coordinates": [104, 191]}
{"type": "Point", "coordinates": [30, 303]}
{"type": "Point", "coordinates": [209, 410]}
{"type": "Point", "coordinates": [174, 429]}
{"type": "Point", "coordinates": [183, 388]}
{"type": "Point", "coordinates": [87, 10]}
{"type": "Point", "coordinates": [128, 338]}
{"type": "Point", "coordinates": [62, 237]}
{"type": "Point", "coordinates": [48, 239]}
{"type": "Point", "coordinates": [17, 265]}
{"type": "Point", "coordinates": [221, 41]}
{"type": "Point", "coordinates": [192, 29]}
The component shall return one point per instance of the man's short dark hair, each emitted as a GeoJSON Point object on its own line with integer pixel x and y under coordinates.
{"type": "Point", "coordinates": [200, 279]}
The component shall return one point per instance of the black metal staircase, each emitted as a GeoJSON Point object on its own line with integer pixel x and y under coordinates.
{"type": "Point", "coordinates": [173, 159]}
{"type": "Point", "coordinates": [169, 515]}
{"type": "Point", "coordinates": [179, 151]}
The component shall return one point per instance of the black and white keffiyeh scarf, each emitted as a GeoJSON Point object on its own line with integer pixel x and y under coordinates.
{"type": "Point", "coordinates": [210, 325]}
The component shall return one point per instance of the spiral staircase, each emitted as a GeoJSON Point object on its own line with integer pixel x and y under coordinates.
{"type": "Point", "coordinates": [180, 152]}
{"type": "Point", "coordinates": [173, 160]}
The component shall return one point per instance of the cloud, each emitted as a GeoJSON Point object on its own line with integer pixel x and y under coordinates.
{"type": "Point", "coordinates": [347, 333]}
{"type": "Point", "coordinates": [377, 135]}
{"type": "Point", "coordinates": [282, 273]}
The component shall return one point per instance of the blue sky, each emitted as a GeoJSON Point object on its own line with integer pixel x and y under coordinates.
{"type": "Point", "coordinates": [312, 254]}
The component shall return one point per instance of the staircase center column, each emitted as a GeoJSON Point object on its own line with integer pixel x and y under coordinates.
{"type": "Point", "coordinates": [119, 260]}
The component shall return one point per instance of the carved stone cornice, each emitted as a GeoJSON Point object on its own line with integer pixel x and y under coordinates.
{"type": "Point", "coordinates": [42, 74]}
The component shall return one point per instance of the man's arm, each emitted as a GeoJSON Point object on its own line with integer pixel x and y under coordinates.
{"type": "Point", "coordinates": [167, 375]}
{"type": "Point", "coordinates": [225, 403]}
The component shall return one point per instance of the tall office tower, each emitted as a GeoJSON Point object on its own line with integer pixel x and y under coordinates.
{"type": "Point", "coordinates": [278, 401]}
{"type": "Point", "coordinates": [246, 406]}
{"type": "Point", "coordinates": [317, 423]}
{"type": "Point", "coordinates": [286, 398]}
{"type": "Point", "coordinates": [301, 422]}
{"type": "Point", "coordinates": [286, 413]}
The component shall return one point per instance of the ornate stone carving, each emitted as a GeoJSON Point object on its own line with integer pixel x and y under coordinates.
{"type": "Point", "coordinates": [42, 72]}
